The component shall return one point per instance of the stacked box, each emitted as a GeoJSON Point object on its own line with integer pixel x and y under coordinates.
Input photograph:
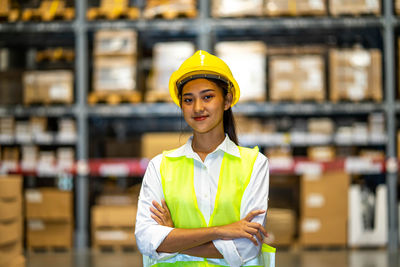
{"type": "Point", "coordinates": [237, 8]}
{"type": "Point", "coordinates": [281, 226]}
{"type": "Point", "coordinates": [297, 77]}
{"type": "Point", "coordinates": [295, 7]}
{"type": "Point", "coordinates": [10, 159]}
{"type": "Point", "coordinates": [11, 223]}
{"type": "Point", "coordinates": [247, 61]}
{"type": "Point", "coordinates": [48, 87]}
{"type": "Point", "coordinates": [354, 7]}
{"type": "Point", "coordinates": [167, 57]}
{"type": "Point", "coordinates": [49, 214]}
{"type": "Point", "coordinates": [115, 60]}
{"type": "Point", "coordinates": [65, 158]}
{"type": "Point", "coordinates": [355, 74]}
{"type": "Point", "coordinates": [29, 157]}
{"type": "Point", "coordinates": [113, 226]}
{"type": "Point", "coordinates": [7, 125]}
{"type": "Point", "coordinates": [170, 9]}
{"type": "Point", "coordinates": [324, 202]}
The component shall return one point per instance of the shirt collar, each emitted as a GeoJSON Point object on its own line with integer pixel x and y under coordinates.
{"type": "Point", "coordinates": [227, 146]}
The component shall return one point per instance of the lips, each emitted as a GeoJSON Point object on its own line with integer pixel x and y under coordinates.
{"type": "Point", "coordinates": [201, 118]}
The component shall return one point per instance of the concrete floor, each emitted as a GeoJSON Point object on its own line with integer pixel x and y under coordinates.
{"type": "Point", "coordinates": [316, 258]}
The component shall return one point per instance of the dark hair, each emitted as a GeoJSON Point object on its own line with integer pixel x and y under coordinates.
{"type": "Point", "coordinates": [228, 119]}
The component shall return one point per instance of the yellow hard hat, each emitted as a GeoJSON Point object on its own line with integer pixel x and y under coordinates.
{"type": "Point", "coordinates": [203, 65]}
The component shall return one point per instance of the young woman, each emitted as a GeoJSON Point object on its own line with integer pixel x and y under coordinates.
{"type": "Point", "coordinates": [204, 204]}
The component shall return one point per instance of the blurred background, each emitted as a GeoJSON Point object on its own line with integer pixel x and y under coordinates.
{"type": "Point", "coordinates": [84, 106]}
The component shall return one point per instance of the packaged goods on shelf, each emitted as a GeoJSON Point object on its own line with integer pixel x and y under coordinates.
{"type": "Point", "coordinates": [29, 157]}
{"type": "Point", "coordinates": [113, 226]}
{"type": "Point", "coordinates": [48, 87]}
{"type": "Point", "coordinates": [170, 9]}
{"type": "Point", "coordinates": [355, 74]}
{"type": "Point", "coordinates": [41, 233]}
{"type": "Point", "coordinates": [247, 61]}
{"type": "Point", "coordinates": [10, 158]}
{"type": "Point", "coordinates": [11, 87]}
{"type": "Point", "coordinates": [377, 128]}
{"type": "Point", "coordinates": [280, 158]}
{"type": "Point", "coordinates": [321, 153]}
{"type": "Point", "coordinates": [48, 204]}
{"type": "Point", "coordinates": [297, 77]}
{"type": "Point", "coordinates": [67, 131]}
{"type": "Point", "coordinates": [49, 10]}
{"type": "Point", "coordinates": [55, 54]}
{"type": "Point", "coordinates": [358, 7]}
{"type": "Point", "coordinates": [295, 7]}
{"type": "Point", "coordinates": [65, 158]}
{"type": "Point", "coordinates": [7, 129]}
{"type": "Point", "coordinates": [11, 233]}
{"type": "Point", "coordinates": [115, 43]}
{"type": "Point", "coordinates": [167, 57]}
{"type": "Point", "coordinates": [113, 74]}
{"type": "Point", "coordinates": [237, 8]}
{"type": "Point", "coordinates": [324, 214]}
{"type": "Point", "coordinates": [111, 9]}
{"type": "Point", "coordinates": [39, 131]}
{"type": "Point", "coordinates": [23, 132]}
{"type": "Point", "coordinates": [46, 163]}
{"type": "Point", "coordinates": [372, 154]}
{"type": "Point", "coordinates": [367, 216]}
{"type": "Point", "coordinates": [155, 143]}
{"type": "Point", "coordinates": [281, 226]}
{"type": "Point", "coordinates": [321, 125]}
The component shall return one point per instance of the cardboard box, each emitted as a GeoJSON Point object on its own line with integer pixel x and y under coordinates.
{"type": "Point", "coordinates": [321, 125]}
{"type": "Point", "coordinates": [9, 252]}
{"type": "Point", "coordinates": [321, 153]}
{"type": "Point", "coordinates": [110, 237]}
{"type": "Point", "coordinates": [10, 210]}
{"type": "Point", "coordinates": [120, 199]}
{"type": "Point", "coordinates": [113, 216]}
{"type": "Point", "coordinates": [324, 208]}
{"type": "Point", "coordinates": [155, 143]}
{"type": "Point", "coordinates": [297, 78]}
{"type": "Point", "coordinates": [355, 74]}
{"type": "Point", "coordinates": [10, 232]}
{"type": "Point", "coordinates": [167, 57]}
{"type": "Point", "coordinates": [18, 261]}
{"type": "Point", "coordinates": [10, 187]}
{"type": "Point", "coordinates": [115, 43]}
{"type": "Point", "coordinates": [281, 226]}
{"type": "Point", "coordinates": [295, 7]}
{"type": "Point", "coordinates": [47, 87]}
{"type": "Point", "coordinates": [355, 7]}
{"type": "Point", "coordinates": [247, 61]}
{"type": "Point", "coordinates": [316, 231]}
{"type": "Point", "coordinates": [49, 204]}
{"type": "Point", "coordinates": [11, 87]}
{"type": "Point", "coordinates": [114, 73]}
{"type": "Point", "coordinates": [237, 8]}
{"type": "Point", "coordinates": [42, 233]}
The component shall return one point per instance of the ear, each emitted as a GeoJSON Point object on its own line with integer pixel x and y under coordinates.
{"type": "Point", "coordinates": [228, 101]}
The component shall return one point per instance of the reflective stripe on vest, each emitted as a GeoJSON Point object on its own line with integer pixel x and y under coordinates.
{"type": "Point", "coordinates": [177, 177]}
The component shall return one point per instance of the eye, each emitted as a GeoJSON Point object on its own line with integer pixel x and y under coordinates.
{"type": "Point", "coordinates": [208, 97]}
{"type": "Point", "coordinates": [187, 100]}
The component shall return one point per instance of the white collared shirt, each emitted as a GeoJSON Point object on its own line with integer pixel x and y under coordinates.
{"type": "Point", "coordinates": [149, 234]}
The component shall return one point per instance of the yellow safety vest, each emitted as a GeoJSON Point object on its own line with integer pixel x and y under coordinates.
{"type": "Point", "coordinates": [179, 192]}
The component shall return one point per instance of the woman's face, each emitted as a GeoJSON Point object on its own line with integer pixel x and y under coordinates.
{"type": "Point", "coordinates": [203, 105]}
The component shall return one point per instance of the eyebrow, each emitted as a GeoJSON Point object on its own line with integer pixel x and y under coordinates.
{"type": "Point", "coordinates": [201, 92]}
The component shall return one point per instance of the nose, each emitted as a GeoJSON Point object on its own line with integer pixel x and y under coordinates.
{"type": "Point", "coordinates": [198, 106]}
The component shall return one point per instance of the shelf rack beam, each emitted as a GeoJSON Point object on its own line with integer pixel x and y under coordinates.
{"type": "Point", "coordinates": [389, 70]}
{"type": "Point", "coordinates": [81, 74]}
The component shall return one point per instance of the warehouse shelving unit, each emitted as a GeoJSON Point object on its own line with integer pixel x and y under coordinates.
{"type": "Point", "coordinates": [205, 28]}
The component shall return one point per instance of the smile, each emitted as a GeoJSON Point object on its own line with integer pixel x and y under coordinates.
{"type": "Point", "coordinates": [202, 118]}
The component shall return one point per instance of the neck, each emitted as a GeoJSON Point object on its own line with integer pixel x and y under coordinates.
{"type": "Point", "coordinates": [207, 142]}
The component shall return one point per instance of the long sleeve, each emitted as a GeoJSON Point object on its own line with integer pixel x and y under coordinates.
{"type": "Point", "coordinates": [237, 252]}
{"type": "Point", "coordinates": [149, 234]}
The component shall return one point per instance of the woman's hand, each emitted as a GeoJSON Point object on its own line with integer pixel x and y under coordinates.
{"type": "Point", "coordinates": [161, 214]}
{"type": "Point", "coordinates": [244, 229]}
